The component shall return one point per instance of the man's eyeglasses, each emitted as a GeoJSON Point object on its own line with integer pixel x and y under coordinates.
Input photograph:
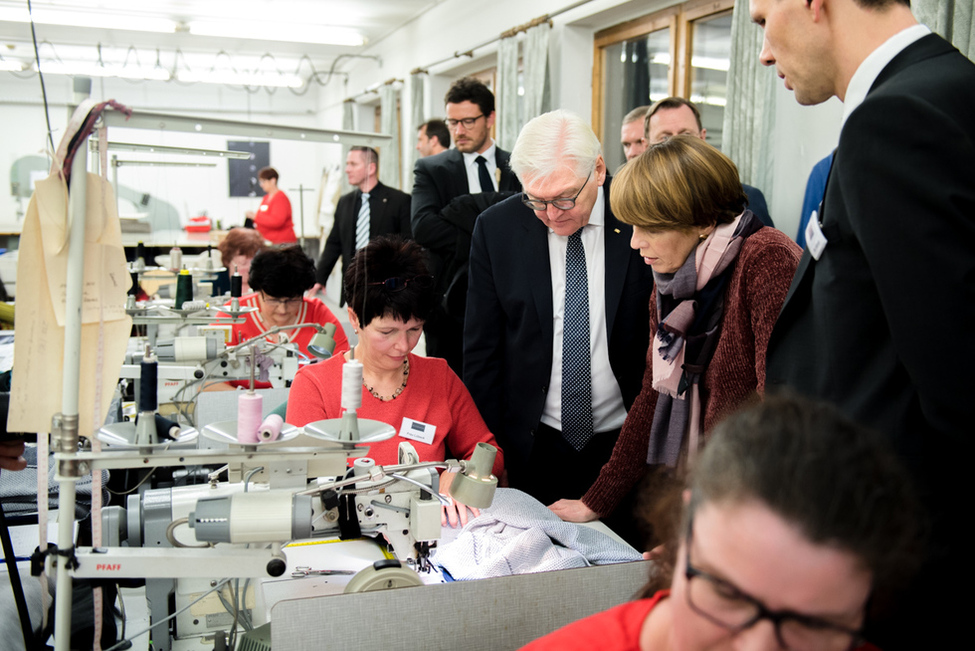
{"type": "Point", "coordinates": [467, 122]}
{"type": "Point", "coordinates": [722, 603]}
{"type": "Point", "coordinates": [564, 203]}
{"type": "Point", "coordinates": [394, 285]}
{"type": "Point", "coordinates": [282, 302]}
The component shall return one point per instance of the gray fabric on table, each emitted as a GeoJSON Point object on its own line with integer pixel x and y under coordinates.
{"type": "Point", "coordinates": [18, 490]}
{"type": "Point", "coordinates": [518, 534]}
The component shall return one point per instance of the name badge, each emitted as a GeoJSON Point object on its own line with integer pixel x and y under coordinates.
{"type": "Point", "coordinates": [263, 207]}
{"type": "Point", "coordinates": [815, 240]}
{"type": "Point", "coordinates": [414, 430]}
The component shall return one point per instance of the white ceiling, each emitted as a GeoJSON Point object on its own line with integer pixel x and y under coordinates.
{"type": "Point", "coordinates": [372, 19]}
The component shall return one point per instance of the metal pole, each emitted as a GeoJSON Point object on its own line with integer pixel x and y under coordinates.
{"type": "Point", "coordinates": [67, 441]}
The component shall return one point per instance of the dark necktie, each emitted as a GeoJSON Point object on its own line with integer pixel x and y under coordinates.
{"type": "Point", "coordinates": [483, 176]}
{"type": "Point", "coordinates": [362, 223]}
{"type": "Point", "coordinates": [576, 359]}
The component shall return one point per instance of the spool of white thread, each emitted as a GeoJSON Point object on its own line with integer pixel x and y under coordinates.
{"type": "Point", "coordinates": [249, 407]}
{"type": "Point", "coordinates": [176, 258]}
{"type": "Point", "coordinates": [352, 385]}
{"type": "Point", "coordinates": [270, 429]}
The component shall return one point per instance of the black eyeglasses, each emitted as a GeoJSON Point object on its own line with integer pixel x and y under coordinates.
{"type": "Point", "coordinates": [467, 122]}
{"type": "Point", "coordinates": [394, 285]}
{"type": "Point", "coordinates": [723, 604]}
{"type": "Point", "coordinates": [563, 203]}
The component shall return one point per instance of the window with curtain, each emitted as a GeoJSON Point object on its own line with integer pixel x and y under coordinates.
{"type": "Point", "coordinates": [683, 50]}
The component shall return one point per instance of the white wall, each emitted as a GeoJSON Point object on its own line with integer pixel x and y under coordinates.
{"type": "Point", "coordinates": [190, 190]}
{"type": "Point", "coordinates": [802, 135]}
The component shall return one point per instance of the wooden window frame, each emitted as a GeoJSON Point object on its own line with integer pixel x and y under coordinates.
{"type": "Point", "coordinates": [679, 18]}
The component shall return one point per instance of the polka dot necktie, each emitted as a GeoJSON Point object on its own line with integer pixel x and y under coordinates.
{"type": "Point", "coordinates": [576, 358]}
{"type": "Point", "coordinates": [362, 224]}
{"type": "Point", "coordinates": [483, 176]}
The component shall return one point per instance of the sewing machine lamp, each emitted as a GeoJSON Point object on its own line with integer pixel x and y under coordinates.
{"type": "Point", "coordinates": [476, 485]}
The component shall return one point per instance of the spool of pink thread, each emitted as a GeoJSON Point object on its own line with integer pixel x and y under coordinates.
{"type": "Point", "coordinates": [270, 429]}
{"type": "Point", "coordinates": [249, 408]}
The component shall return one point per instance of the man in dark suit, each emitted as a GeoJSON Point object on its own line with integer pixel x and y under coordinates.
{"type": "Point", "coordinates": [450, 190]}
{"type": "Point", "coordinates": [387, 213]}
{"type": "Point", "coordinates": [523, 351]}
{"type": "Point", "coordinates": [674, 116]}
{"type": "Point", "coordinates": [879, 316]}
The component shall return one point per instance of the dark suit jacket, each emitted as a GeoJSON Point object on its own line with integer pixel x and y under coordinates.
{"type": "Point", "coordinates": [757, 204]}
{"type": "Point", "coordinates": [389, 214]}
{"type": "Point", "coordinates": [443, 216]}
{"type": "Point", "coordinates": [882, 323]}
{"type": "Point", "coordinates": [438, 180]}
{"type": "Point", "coordinates": [508, 331]}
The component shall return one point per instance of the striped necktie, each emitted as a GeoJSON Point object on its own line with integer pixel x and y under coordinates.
{"type": "Point", "coordinates": [362, 224]}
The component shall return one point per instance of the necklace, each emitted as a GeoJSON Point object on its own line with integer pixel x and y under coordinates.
{"type": "Point", "coordinates": [406, 375]}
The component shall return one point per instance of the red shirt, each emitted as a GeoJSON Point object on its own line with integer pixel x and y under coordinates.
{"type": "Point", "coordinates": [312, 310]}
{"type": "Point", "coordinates": [616, 629]}
{"type": "Point", "coordinates": [273, 219]}
{"type": "Point", "coordinates": [434, 395]}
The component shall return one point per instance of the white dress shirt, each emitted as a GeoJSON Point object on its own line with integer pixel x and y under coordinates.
{"type": "Point", "coordinates": [470, 163]}
{"type": "Point", "coordinates": [873, 65]}
{"type": "Point", "coordinates": [608, 411]}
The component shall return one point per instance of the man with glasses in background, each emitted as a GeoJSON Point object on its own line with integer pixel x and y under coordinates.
{"type": "Point", "coordinates": [450, 190]}
{"type": "Point", "coordinates": [370, 210]}
{"type": "Point", "coordinates": [557, 313]}
{"type": "Point", "coordinates": [676, 116]}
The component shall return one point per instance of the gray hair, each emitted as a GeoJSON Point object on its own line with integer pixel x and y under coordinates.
{"type": "Point", "coordinates": [553, 141]}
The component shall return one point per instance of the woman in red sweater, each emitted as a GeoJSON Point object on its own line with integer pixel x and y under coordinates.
{"type": "Point", "coordinates": [390, 294]}
{"type": "Point", "coordinates": [720, 278]}
{"type": "Point", "coordinates": [273, 219]}
{"type": "Point", "coordinates": [798, 528]}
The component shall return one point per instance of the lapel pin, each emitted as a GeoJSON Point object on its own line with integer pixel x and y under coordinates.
{"type": "Point", "coordinates": [616, 230]}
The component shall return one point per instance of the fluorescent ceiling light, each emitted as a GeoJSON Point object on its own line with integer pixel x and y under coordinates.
{"type": "Point", "coordinates": [292, 32]}
{"type": "Point", "coordinates": [89, 69]}
{"type": "Point", "coordinates": [229, 77]}
{"type": "Point", "coordinates": [167, 149]}
{"type": "Point", "coordinates": [711, 63]}
{"type": "Point", "coordinates": [9, 65]}
{"type": "Point", "coordinates": [89, 19]}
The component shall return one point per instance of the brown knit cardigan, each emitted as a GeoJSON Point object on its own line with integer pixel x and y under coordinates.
{"type": "Point", "coordinates": [755, 293]}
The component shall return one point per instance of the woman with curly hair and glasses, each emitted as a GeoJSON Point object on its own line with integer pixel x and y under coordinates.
{"type": "Point", "coordinates": [390, 293]}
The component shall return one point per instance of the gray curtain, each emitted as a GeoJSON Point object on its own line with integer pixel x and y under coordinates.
{"type": "Point", "coordinates": [749, 117]}
{"type": "Point", "coordinates": [417, 114]}
{"type": "Point", "coordinates": [389, 124]}
{"type": "Point", "coordinates": [537, 93]}
{"type": "Point", "coordinates": [348, 124]}
{"type": "Point", "coordinates": [952, 19]}
{"type": "Point", "coordinates": [507, 93]}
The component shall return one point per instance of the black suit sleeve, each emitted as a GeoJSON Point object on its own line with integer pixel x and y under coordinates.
{"type": "Point", "coordinates": [910, 193]}
{"type": "Point", "coordinates": [484, 334]}
{"type": "Point", "coordinates": [333, 245]}
{"type": "Point", "coordinates": [426, 224]}
{"type": "Point", "coordinates": [402, 217]}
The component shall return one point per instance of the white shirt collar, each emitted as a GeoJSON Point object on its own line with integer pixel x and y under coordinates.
{"type": "Point", "coordinates": [873, 65]}
{"type": "Point", "coordinates": [488, 154]}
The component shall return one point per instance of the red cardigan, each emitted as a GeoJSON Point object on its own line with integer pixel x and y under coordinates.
{"type": "Point", "coordinates": [758, 286]}
{"type": "Point", "coordinates": [273, 219]}
{"type": "Point", "coordinates": [433, 395]}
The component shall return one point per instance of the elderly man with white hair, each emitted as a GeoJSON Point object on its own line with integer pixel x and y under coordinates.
{"type": "Point", "coordinates": [557, 314]}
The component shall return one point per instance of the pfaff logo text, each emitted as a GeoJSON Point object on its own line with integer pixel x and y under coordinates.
{"type": "Point", "coordinates": [108, 567]}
